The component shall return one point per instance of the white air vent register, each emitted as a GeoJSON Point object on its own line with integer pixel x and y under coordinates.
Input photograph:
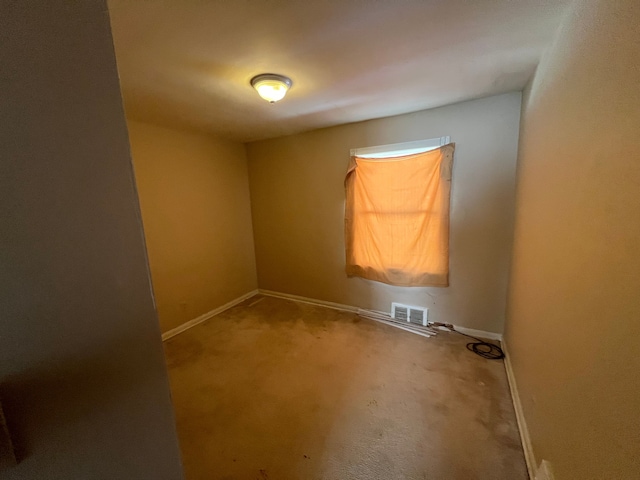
{"type": "Point", "coordinates": [410, 314]}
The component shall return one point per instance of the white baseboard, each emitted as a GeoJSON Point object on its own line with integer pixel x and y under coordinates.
{"type": "Point", "coordinates": [479, 333]}
{"type": "Point", "coordinates": [206, 316]}
{"type": "Point", "coordinates": [310, 301]}
{"type": "Point", "coordinates": [351, 308]}
{"type": "Point", "coordinates": [544, 471]}
{"type": "Point", "coordinates": [522, 422]}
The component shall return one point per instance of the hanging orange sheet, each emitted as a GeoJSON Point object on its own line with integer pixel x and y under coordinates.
{"type": "Point", "coordinates": [397, 218]}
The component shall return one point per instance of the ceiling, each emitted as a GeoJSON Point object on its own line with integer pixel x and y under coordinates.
{"type": "Point", "coordinates": [187, 63]}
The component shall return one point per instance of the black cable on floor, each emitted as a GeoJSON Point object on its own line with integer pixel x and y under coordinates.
{"type": "Point", "coordinates": [486, 350]}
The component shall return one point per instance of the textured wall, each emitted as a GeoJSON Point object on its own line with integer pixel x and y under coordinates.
{"type": "Point", "coordinates": [82, 374]}
{"type": "Point", "coordinates": [297, 200]}
{"type": "Point", "coordinates": [194, 195]}
{"type": "Point", "coordinates": [573, 327]}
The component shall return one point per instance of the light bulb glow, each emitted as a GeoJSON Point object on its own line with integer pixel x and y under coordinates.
{"type": "Point", "coordinates": [271, 87]}
{"type": "Point", "coordinates": [271, 91]}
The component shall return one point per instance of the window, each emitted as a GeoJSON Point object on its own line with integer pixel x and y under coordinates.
{"type": "Point", "coordinates": [397, 213]}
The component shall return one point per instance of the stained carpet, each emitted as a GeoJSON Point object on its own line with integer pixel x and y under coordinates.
{"type": "Point", "coordinates": [279, 390]}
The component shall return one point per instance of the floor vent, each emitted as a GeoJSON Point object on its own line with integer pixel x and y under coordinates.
{"type": "Point", "coordinates": [407, 313]}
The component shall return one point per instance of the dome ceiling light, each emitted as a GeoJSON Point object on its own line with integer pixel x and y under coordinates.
{"type": "Point", "coordinates": [271, 86]}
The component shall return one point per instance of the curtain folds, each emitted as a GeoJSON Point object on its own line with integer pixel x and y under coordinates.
{"type": "Point", "coordinates": [397, 218]}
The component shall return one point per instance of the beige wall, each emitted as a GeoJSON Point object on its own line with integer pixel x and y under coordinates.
{"type": "Point", "coordinates": [194, 194]}
{"type": "Point", "coordinates": [297, 198]}
{"type": "Point", "coordinates": [82, 374]}
{"type": "Point", "coordinates": [573, 328]}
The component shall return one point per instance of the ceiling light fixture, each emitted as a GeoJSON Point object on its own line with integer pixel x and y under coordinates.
{"type": "Point", "coordinates": [271, 86]}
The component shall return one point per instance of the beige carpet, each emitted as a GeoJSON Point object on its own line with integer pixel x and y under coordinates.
{"type": "Point", "coordinates": [281, 390]}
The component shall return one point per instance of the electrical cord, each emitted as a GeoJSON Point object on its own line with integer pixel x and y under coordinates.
{"type": "Point", "coordinates": [487, 350]}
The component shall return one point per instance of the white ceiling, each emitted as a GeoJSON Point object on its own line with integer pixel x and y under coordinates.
{"type": "Point", "coordinates": [187, 63]}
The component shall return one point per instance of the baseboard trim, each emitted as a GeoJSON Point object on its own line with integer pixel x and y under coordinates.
{"type": "Point", "coordinates": [351, 308]}
{"type": "Point", "coordinates": [529, 456]}
{"type": "Point", "coordinates": [479, 333]}
{"type": "Point", "coordinates": [206, 316]}
{"type": "Point", "coordinates": [310, 301]}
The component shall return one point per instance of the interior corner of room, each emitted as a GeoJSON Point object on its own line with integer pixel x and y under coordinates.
{"type": "Point", "coordinates": [174, 294]}
{"type": "Point", "coordinates": [208, 204]}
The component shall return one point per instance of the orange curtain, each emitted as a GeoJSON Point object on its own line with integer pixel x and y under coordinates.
{"type": "Point", "coordinates": [397, 218]}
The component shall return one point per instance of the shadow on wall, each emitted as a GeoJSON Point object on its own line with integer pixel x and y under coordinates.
{"type": "Point", "coordinates": [64, 399]}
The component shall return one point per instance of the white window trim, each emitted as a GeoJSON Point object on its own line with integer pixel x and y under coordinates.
{"type": "Point", "coordinates": [400, 149]}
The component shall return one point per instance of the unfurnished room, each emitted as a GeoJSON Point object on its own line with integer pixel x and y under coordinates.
{"type": "Point", "coordinates": [321, 240]}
